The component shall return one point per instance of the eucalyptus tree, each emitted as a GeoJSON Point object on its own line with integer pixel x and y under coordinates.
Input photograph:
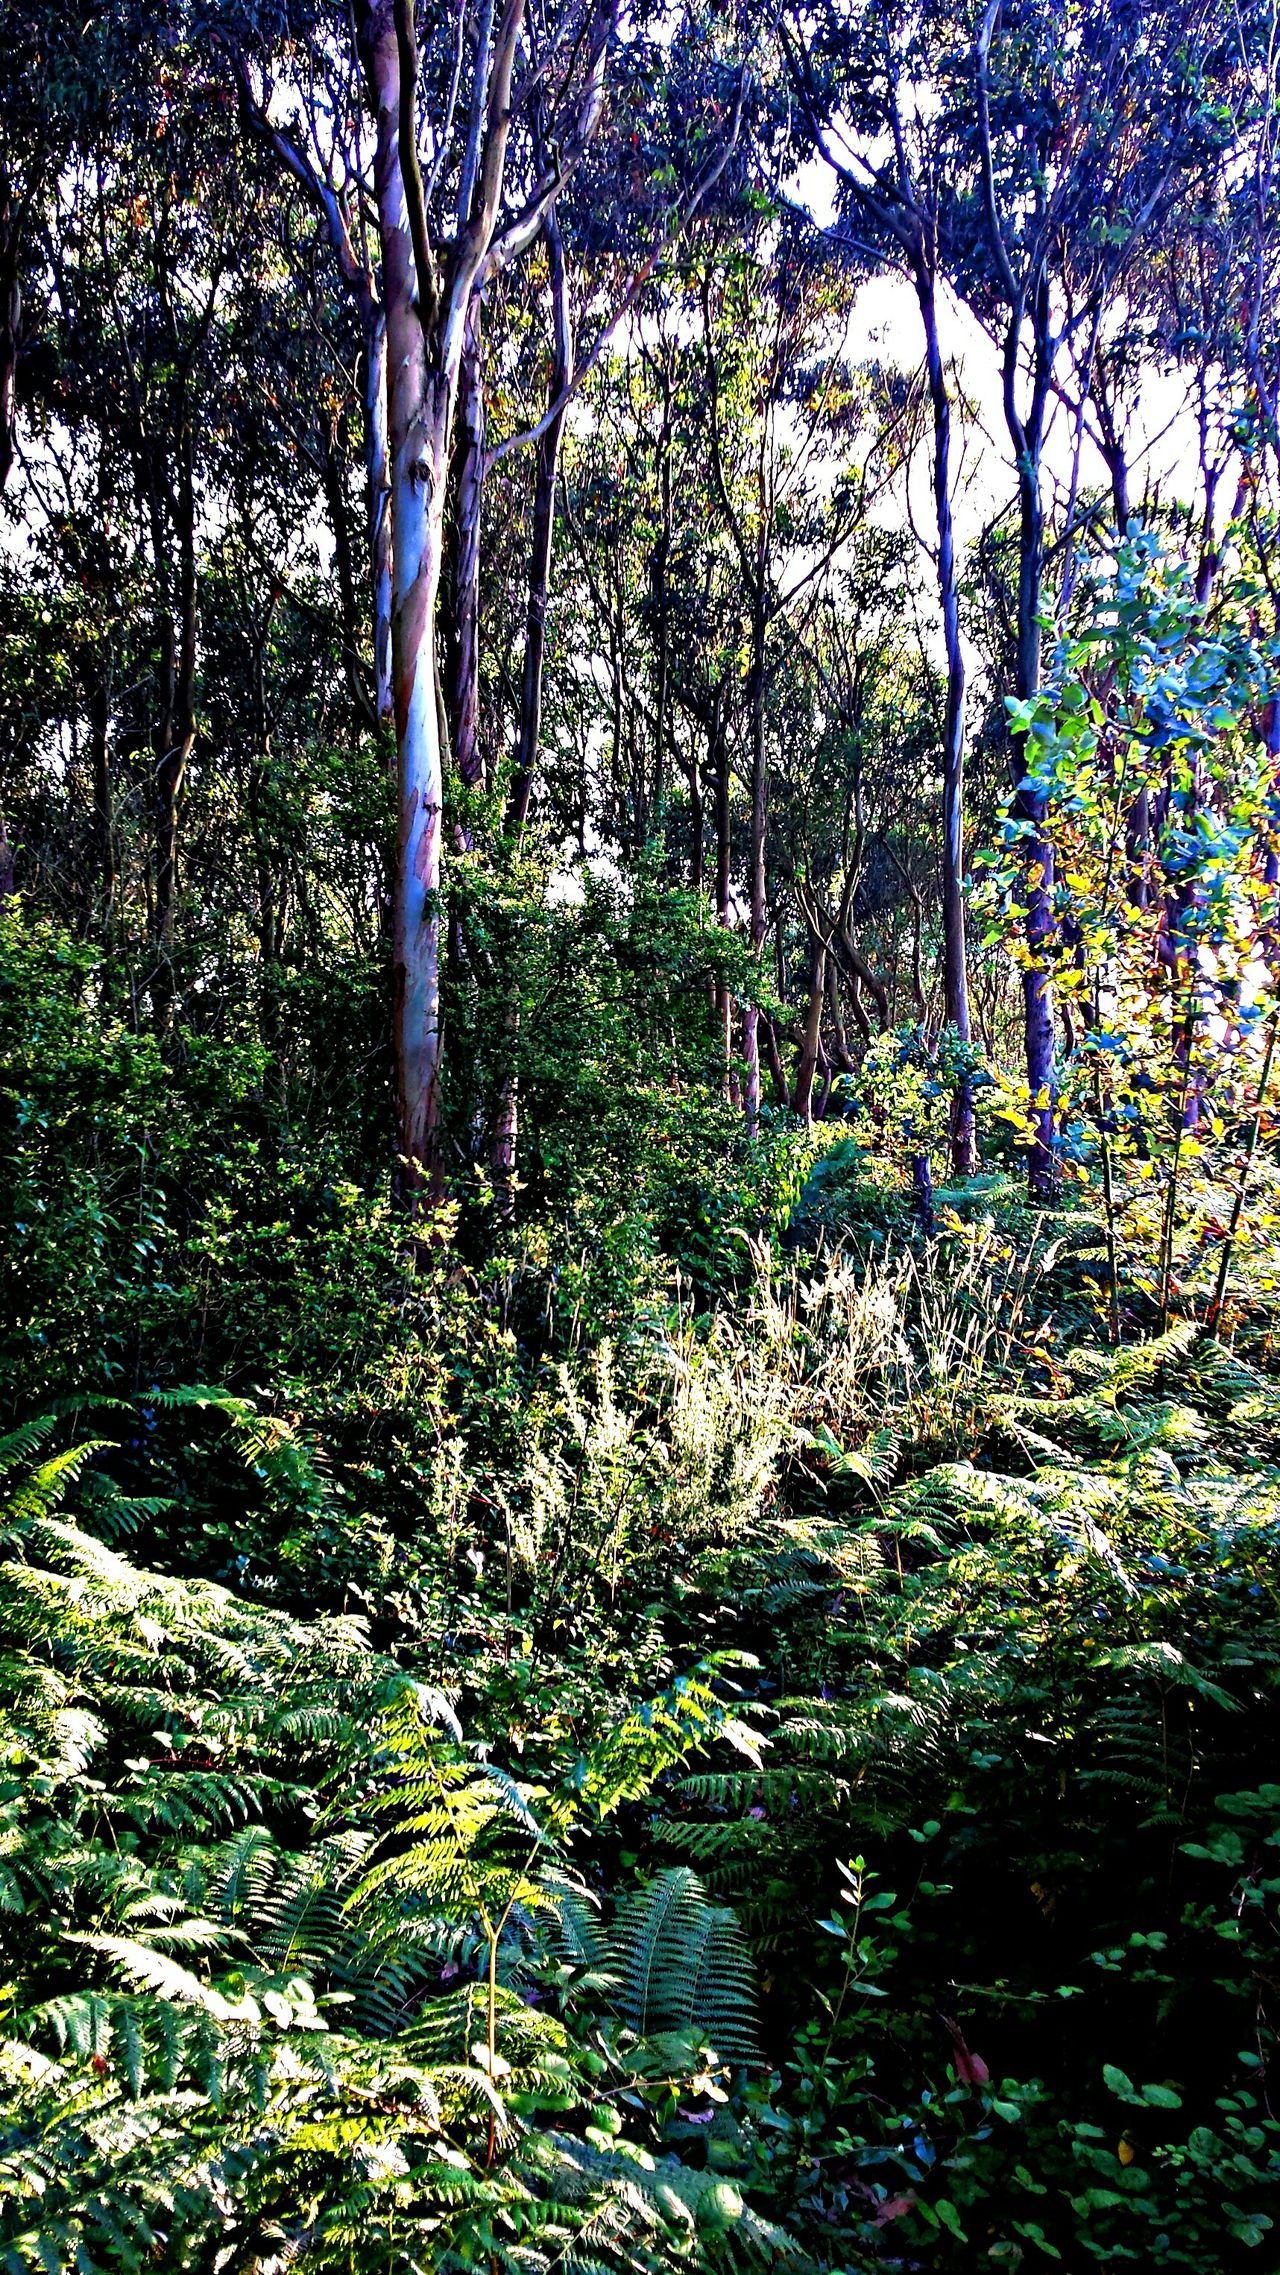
{"type": "Point", "coordinates": [477, 127]}
{"type": "Point", "coordinates": [1084, 132]}
{"type": "Point", "coordinates": [859, 75]}
{"type": "Point", "coordinates": [795, 467]}
{"type": "Point", "coordinates": [1011, 152]}
{"type": "Point", "coordinates": [434, 188]}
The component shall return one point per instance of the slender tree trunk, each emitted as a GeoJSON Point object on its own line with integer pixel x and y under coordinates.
{"type": "Point", "coordinates": [544, 516]}
{"type": "Point", "coordinates": [954, 954]}
{"type": "Point", "coordinates": [660, 568]}
{"type": "Point", "coordinates": [1115, 456]}
{"type": "Point", "coordinates": [176, 735]}
{"type": "Point", "coordinates": [463, 645]}
{"type": "Point", "coordinates": [841, 1055]}
{"type": "Point", "coordinates": [826, 1071]}
{"type": "Point", "coordinates": [460, 644]}
{"type": "Point", "coordinates": [719, 770]}
{"type": "Point", "coordinates": [529, 730]}
{"type": "Point", "coordinates": [378, 513]}
{"type": "Point", "coordinates": [428, 293]}
{"type": "Point", "coordinates": [856, 1005]}
{"type": "Point", "coordinates": [759, 795]}
{"type": "Point", "coordinates": [1137, 850]}
{"type": "Point", "coordinates": [922, 1193]}
{"type": "Point", "coordinates": [697, 824]}
{"type": "Point", "coordinates": [615, 720]}
{"type": "Point", "coordinates": [10, 324]}
{"type": "Point", "coordinates": [861, 974]}
{"type": "Point", "coordinates": [1179, 939]}
{"type": "Point", "coordinates": [773, 1060]}
{"type": "Point", "coordinates": [724, 852]}
{"type": "Point", "coordinates": [99, 671]}
{"type": "Point", "coordinates": [420, 406]}
{"type": "Point", "coordinates": [104, 829]}
{"type": "Point", "coordinates": [811, 1035]}
{"type": "Point", "coordinates": [1030, 804]}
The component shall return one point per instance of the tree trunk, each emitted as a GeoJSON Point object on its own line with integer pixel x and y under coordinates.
{"type": "Point", "coordinates": [10, 325]}
{"type": "Point", "coordinates": [697, 824]}
{"type": "Point", "coordinates": [724, 851]}
{"type": "Point", "coordinates": [427, 294]}
{"type": "Point", "coordinates": [176, 732]}
{"type": "Point", "coordinates": [1137, 850]}
{"type": "Point", "coordinates": [463, 646]}
{"type": "Point", "coordinates": [811, 1037]}
{"type": "Point", "coordinates": [544, 516]}
{"type": "Point", "coordinates": [718, 769]}
{"type": "Point", "coordinates": [661, 565]}
{"type": "Point", "coordinates": [420, 406]}
{"type": "Point", "coordinates": [1115, 455]}
{"type": "Point", "coordinates": [954, 954]}
{"type": "Point", "coordinates": [1029, 805]}
{"type": "Point", "coordinates": [378, 514]}
{"type": "Point", "coordinates": [531, 682]}
{"type": "Point", "coordinates": [841, 1055]}
{"type": "Point", "coordinates": [826, 1069]}
{"type": "Point", "coordinates": [922, 1193]}
{"type": "Point", "coordinates": [759, 793]}
{"type": "Point", "coordinates": [104, 830]}
{"type": "Point", "coordinates": [773, 1059]}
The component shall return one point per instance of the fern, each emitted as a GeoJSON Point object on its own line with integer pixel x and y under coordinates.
{"type": "Point", "coordinates": [682, 1965]}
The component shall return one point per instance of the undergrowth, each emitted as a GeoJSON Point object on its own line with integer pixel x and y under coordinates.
{"type": "Point", "coordinates": [796, 1789]}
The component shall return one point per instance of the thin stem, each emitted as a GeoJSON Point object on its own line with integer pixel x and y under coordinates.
{"type": "Point", "coordinates": [1237, 1210]}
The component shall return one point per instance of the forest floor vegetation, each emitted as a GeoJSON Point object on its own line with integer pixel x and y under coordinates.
{"type": "Point", "coordinates": [757, 1755]}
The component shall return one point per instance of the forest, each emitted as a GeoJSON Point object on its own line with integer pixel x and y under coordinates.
{"type": "Point", "coordinates": [639, 1156]}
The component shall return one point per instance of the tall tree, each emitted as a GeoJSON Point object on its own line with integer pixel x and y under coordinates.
{"type": "Point", "coordinates": [430, 272]}
{"type": "Point", "coordinates": [869, 69]}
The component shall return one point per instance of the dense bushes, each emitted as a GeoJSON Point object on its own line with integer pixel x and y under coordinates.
{"type": "Point", "coordinates": [401, 1744]}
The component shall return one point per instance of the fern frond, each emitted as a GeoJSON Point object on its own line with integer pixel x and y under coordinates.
{"type": "Point", "coordinates": [683, 1964]}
